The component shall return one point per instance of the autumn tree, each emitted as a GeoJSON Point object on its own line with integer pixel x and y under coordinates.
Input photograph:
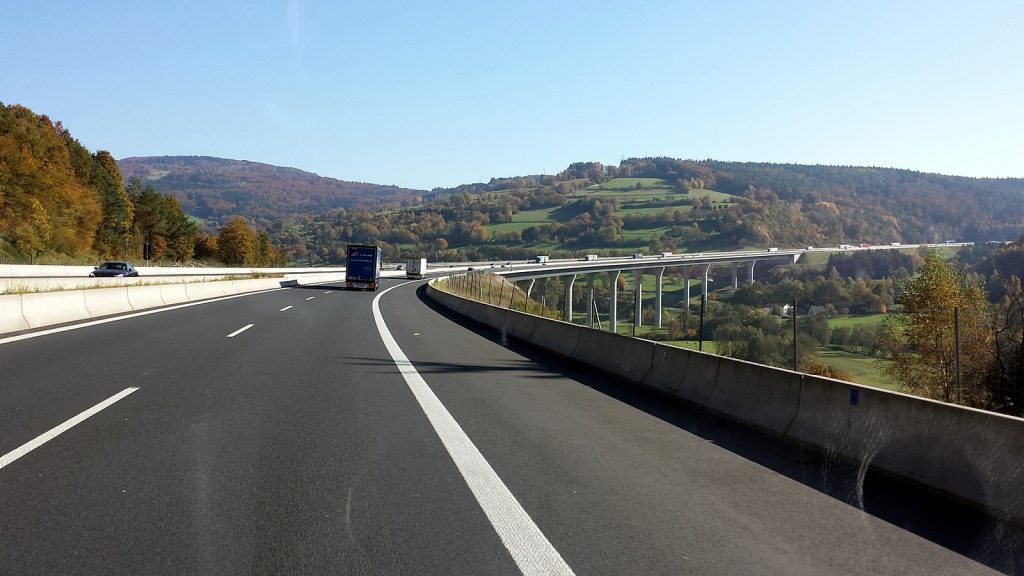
{"type": "Point", "coordinates": [921, 343]}
{"type": "Point", "coordinates": [118, 210]}
{"type": "Point", "coordinates": [205, 246]}
{"type": "Point", "coordinates": [1007, 379]}
{"type": "Point", "coordinates": [236, 243]}
{"type": "Point", "coordinates": [47, 204]}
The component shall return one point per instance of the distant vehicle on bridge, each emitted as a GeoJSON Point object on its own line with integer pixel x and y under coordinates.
{"type": "Point", "coordinates": [541, 259]}
{"type": "Point", "coordinates": [362, 271]}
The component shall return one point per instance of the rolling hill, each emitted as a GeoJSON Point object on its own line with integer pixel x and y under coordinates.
{"type": "Point", "coordinates": [651, 204]}
{"type": "Point", "coordinates": [215, 189]}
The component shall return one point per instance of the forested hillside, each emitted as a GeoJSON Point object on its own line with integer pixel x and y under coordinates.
{"type": "Point", "coordinates": [217, 189]}
{"type": "Point", "coordinates": [663, 203]}
{"type": "Point", "coordinates": [59, 199]}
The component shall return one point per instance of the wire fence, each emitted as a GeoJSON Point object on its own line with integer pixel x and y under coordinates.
{"type": "Point", "coordinates": [998, 388]}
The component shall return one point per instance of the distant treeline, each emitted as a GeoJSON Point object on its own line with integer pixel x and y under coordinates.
{"type": "Point", "coordinates": [776, 205]}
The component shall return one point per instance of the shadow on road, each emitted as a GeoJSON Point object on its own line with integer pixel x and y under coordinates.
{"type": "Point", "coordinates": [953, 524]}
{"type": "Point", "coordinates": [328, 286]}
{"type": "Point", "coordinates": [388, 366]}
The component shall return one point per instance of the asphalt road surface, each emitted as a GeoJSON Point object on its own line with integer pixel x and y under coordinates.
{"type": "Point", "coordinates": [275, 433]}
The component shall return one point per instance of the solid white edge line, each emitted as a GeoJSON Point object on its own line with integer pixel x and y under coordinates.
{"type": "Point", "coordinates": [530, 549]}
{"type": "Point", "coordinates": [49, 331]}
{"type": "Point", "coordinates": [60, 429]}
{"type": "Point", "coordinates": [240, 330]}
{"type": "Point", "coordinates": [285, 308]}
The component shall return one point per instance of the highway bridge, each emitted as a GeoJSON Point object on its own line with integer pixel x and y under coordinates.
{"type": "Point", "coordinates": [308, 429]}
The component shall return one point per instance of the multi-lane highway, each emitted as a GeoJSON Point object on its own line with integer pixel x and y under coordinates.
{"type": "Point", "coordinates": [285, 432]}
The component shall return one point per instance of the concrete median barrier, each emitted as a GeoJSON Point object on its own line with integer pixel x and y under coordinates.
{"type": "Point", "coordinates": [520, 325]}
{"type": "Point", "coordinates": [173, 294]}
{"type": "Point", "coordinates": [11, 317]}
{"type": "Point", "coordinates": [204, 290]}
{"type": "Point", "coordinates": [447, 300]}
{"type": "Point", "coordinates": [106, 301]}
{"type": "Point", "coordinates": [559, 337]}
{"type": "Point", "coordinates": [46, 308]}
{"type": "Point", "coordinates": [39, 309]}
{"type": "Point", "coordinates": [627, 357]}
{"type": "Point", "coordinates": [509, 322]}
{"type": "Point", "coordinates": [142, 297]}
{"type": "Point", "coordinates": [972, 454]}
{"type": "Point", "coordinates": [492, 316]}
{"type": "Point", "coordinates": [669, 366]}
{"type": "Point", "coordinates": [760, 395]}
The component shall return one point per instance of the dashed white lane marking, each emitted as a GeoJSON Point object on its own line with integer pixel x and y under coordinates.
{"type": "Point", "coordinates": [285, 308]}
{"type": "Point", "coordinates": [58, 430]}
{"type": "Point", "coordinates": [530, 549]}
{"type": "Point", "coordinates": [327, 292]}
{"type": "Point", "coordinates": [310, 298]}
{"type": "Point", "coordinates": [240, 330]}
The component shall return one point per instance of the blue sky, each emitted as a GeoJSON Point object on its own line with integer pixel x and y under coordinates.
{"type": "Point", "coordinates": [425, 94]}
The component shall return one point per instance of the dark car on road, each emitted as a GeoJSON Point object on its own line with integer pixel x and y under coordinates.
{"type": "Point", "coordinates": [113, 269]}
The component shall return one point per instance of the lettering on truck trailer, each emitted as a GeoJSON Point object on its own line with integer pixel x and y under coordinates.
{"type": "Point", "coordinates": [363, 267]}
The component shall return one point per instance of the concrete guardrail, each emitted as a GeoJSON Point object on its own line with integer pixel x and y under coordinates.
{"type": "Point", "coordinates": [71, 272]}
{"type": "Point", "coordinates": [973, 455]}
{"type": "Point", "coordinates": [38, 309]}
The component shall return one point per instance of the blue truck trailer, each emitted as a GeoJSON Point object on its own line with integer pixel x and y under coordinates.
{"type": "Point", "coordinates": [362, 271]}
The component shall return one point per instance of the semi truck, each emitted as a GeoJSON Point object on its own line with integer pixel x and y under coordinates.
{"type": "Point", "coordinates": [540, 259]}
{"type": "Point", "coordinates": [415, 268]}
{"type": "Point", "coordinates": [362, 271]}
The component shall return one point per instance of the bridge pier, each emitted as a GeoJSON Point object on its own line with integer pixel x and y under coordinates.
{"type": "Point", "coordinates": [735, 277]}
{"type": "Point", "coordinates": [613, 298]}
{"type": "Point", "coordinates": [529, 290]}
{"type": "Point", "coordinates": [638, 292]}
{"type": "Point", "coordinates": [752, 271]}
{"type": "Point", "coordinates": [704, 289]}
{"type": "Point", "coordinates": [686, 282]}
{"type": "Point", "coordinates": [657, 297]}
{"type": "Point", "coordinates": [568, 297]}
{"type": "Point", "coordinates": [590, 300]}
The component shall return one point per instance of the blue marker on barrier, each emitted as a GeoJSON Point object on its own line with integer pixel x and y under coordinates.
{"type": "Point", "coordinates": [854, 396]}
